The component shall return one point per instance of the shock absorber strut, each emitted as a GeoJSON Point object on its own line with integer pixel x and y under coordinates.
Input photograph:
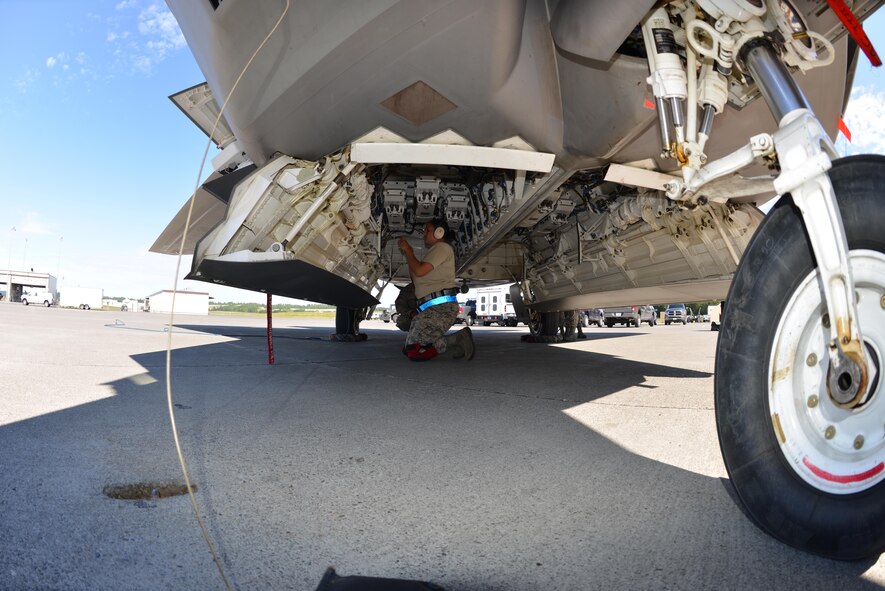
{"type": "Point", "coordinates": [779, 90]}
{"type": "Point", "coordinates": [804, 152]}
{"type": "Point", "coordinates": [666, 75]}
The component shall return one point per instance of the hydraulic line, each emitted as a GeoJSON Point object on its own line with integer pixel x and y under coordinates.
{"type": "Point", "coordinates": [187, 222]}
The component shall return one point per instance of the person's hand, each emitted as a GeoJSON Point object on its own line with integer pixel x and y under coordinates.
{"type": "Point", "coordinates": [404, 246]}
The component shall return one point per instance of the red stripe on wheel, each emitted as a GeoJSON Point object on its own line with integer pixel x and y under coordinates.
{"type": "Point", "coordinates": [846, 478]}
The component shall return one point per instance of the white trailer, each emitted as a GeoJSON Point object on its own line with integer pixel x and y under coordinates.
{"type": "Point", "coordinates": [186, 302]}
{"type": "Point", "coordinates": [84, 298]}
{"type": "Point", "coordinates": [715, 313]}
{"type": "Point", "coordinates": [493, 304]}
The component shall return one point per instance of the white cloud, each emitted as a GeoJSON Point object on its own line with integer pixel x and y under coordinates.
{"type": "Point", "coordinates": [52, 60]}
{"type": "Point", "coordinates": [66, 68]}
{"type": "Point", "coordinates": [865, 118]}
{"type": "Point", "coordinates": [126, 4]}
{"type": "Point", "coordinates": [157, 38]}
{"type": "Point", "coordinates": [142, 63]}
{"type": "Point", "coordinates": [27, 80]}
{"type": "Point", "coordinates": [158, 24]}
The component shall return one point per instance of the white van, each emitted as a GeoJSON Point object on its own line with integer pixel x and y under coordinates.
{"type": "Point", "coordinates": [45, 298]}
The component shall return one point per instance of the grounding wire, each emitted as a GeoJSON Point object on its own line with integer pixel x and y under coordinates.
{"type": "Point", "coordinates": [187, 222]}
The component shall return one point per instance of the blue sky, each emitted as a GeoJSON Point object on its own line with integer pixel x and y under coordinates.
{"type": "Point", "coordinates": [95, 160]}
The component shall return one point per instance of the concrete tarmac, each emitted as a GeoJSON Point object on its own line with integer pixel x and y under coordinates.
{"type": "Point", "coordinates": [588, 465]}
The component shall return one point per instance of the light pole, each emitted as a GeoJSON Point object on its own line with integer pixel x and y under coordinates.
{"type": "Point", "coordinates": [8, 296]}
{"type": "Point", "coordinates": [58, 265]}
{"type": "Point", "coordinates": [9, 259]}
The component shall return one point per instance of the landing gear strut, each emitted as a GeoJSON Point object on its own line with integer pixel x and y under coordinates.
{"type": "Point", "coordinates": [798, 389]}
{"type": "Point", "coordinates": [543, 327]}
{"type": "Point", "coordinates": [347, 325]}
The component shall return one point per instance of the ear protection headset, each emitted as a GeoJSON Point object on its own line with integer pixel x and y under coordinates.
{"type": "Point", "coordinates": [438, 233]}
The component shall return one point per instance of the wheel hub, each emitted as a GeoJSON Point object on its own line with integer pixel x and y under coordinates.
{"type": "Point", "coordinates": [844, 380]}
{"type": "Point", "coordinates": [833, 448]}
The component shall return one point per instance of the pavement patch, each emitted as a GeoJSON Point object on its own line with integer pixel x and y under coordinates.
{"type": "Point", "coordinates": [140, 491]}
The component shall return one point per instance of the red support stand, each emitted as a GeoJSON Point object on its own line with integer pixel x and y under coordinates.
{"type": "Point", "coordinates": [270, 358]}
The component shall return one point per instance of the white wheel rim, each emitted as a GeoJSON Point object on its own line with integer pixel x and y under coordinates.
{"type": "Point", "coordinates": [833, 449]}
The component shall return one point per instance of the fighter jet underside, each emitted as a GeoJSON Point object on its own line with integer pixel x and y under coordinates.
{"type": "Point", "coordinates": [595, 154]}
{"type": "Point", "coordinates": [580, 241]}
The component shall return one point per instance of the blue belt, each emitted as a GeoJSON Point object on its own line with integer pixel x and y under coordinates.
{"type": "Point", "coordinates": [436, 301]}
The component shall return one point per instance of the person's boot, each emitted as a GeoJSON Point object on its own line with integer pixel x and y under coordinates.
{"type": "Point", "coordinates": [460, 344]}
{"type": "Point", "coordinates": [422, 353]}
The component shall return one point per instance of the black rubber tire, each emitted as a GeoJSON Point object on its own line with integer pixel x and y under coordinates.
{"type": "Point", "coordinates": [45, 303]}
{"type": "Point", "coordinates": [549, 324]}
{"type": "Point", "coordinates": [24, 302]}
{"type": "Point", "coordinates": [346, 321]}
{"type": "Point", "coordinates": [534, 323]}
{"type": "Point", "coordinates": [776, 499]}
{"type": "Point", "coordinates": [470, 320]}
{"type": "Point", "coordinates": [583, 318]}
{"type": "Point", "coordinates": [544, 324]}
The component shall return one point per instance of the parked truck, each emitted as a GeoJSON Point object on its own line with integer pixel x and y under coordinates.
{"type": "Point", "coordinates": [676, 313]}
{"type": "Point", "coordinates": [630, 315]}
{"type": "Point", "coordinates": [466, 312]}
{"type": "Point", "coordinates": [493, 304]}
{"type": "Point", "coordinates": [84, 298]}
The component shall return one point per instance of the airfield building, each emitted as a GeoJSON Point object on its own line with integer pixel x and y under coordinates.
{"type": "Point", "coordinates": [14, 283]}
{"type": "Point", "coordinates": [186, 302]}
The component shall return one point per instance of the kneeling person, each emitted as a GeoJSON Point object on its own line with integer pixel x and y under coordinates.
{"type": "Point", "coordinates": [434, 280]}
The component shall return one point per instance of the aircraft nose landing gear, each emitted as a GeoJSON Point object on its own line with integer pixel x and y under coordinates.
{"type": "Point", "coordinates": [804, 450]}
{"type": "Point", "coordinates": [799, 407]}
{"type": "Point", "coordinates": [347, 325]}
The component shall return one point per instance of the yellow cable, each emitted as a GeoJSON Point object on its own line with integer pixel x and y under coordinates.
{"type": "Point", "coordinates": [187, 222]}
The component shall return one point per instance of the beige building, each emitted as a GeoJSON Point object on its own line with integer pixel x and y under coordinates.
{"type": "Point", "coordinates": [14, 283]}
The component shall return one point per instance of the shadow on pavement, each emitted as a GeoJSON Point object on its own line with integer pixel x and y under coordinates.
{"type": "Point", "coordinates": [469, 475]}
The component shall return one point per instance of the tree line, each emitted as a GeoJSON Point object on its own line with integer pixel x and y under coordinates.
{"type": "Point", "coordinates": [253, 308]}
